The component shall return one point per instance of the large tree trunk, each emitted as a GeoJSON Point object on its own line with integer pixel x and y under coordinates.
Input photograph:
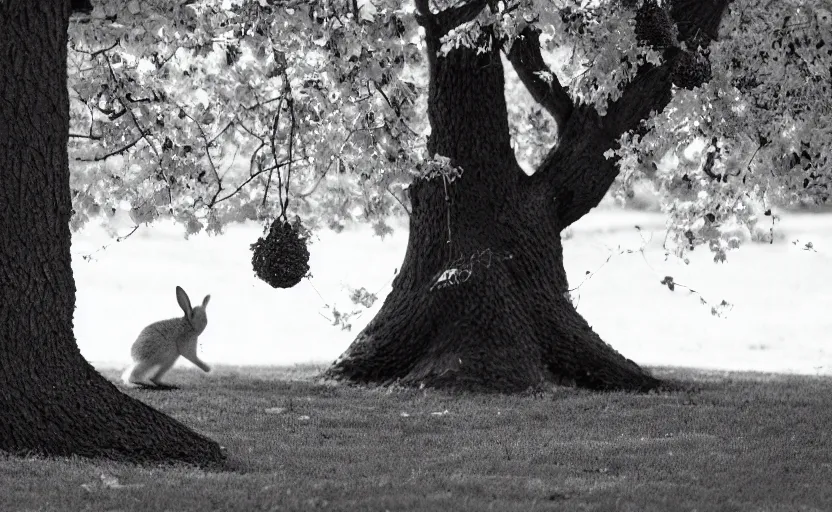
{"type": "Point", "coordinates": [503, 322]}
{"type": "Point", "coordinates": [481, 299]}
{"type": "Point", "coordinates": [52, 401]}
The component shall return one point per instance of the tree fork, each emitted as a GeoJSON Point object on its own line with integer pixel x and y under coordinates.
{"type": "Point", "coordinates": [496, 318]}
{"type": "Point", "coordinates": [486, 334]}
{"type": "Point", "coordinates": [492, 316]}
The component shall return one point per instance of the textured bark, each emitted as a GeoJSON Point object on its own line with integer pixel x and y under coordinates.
{"type": "Point", "coordinates": [52, 401]}
{"type": "Point", "coordinates": [504, 322]}
{"type": "Point", "coordinates": [507, 325]}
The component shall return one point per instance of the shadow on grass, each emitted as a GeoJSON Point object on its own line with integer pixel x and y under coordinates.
{"type": "Point", "coordinates": [740, 441]}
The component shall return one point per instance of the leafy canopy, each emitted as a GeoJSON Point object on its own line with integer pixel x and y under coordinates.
{"type": "Point", "coordinates": [216, 111]}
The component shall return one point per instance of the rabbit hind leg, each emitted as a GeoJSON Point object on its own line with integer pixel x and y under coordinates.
{"type": "Point", "coordinates": [159, 372]}
{"type": "Point", "coordinates": [139, 373]}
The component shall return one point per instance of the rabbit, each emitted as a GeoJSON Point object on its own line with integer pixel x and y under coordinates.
{"type": "Point", "coordinates": [161, 343]}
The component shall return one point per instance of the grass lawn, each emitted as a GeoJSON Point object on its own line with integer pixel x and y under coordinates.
{"type": "Point", "coordinates": [741, 442]}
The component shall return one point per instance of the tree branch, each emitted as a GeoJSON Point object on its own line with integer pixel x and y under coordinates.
{"type": "Point", "coordinates": [575, 172]}
{"type": "Point", "coordinates": [251, 178]}
{"type": "Point", "coordinates": [84, 136]}
{"type": "Point", "coordinates": [424, 16]}
{"type": "Point", "coordinates": [651, 88]}
{"type": "Point", "coordinates": [649, 91]}
{"type": "Point", "coordinates": [113, 152]}
{"type": "Point", "coordinates": [528, 62]}
{"type": "Point", "coordinates": [208, 144]}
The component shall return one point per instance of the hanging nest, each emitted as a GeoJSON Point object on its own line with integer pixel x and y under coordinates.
{"type": "Point", "coordinates": [281, 259]}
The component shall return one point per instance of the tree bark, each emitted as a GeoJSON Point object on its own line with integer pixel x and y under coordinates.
{"type": "Point", "coordinates": [53, 402]}
{"type": "Point", "coordinates": [481, 300]}
{"type": "Point", "coordinates": [502, 321]}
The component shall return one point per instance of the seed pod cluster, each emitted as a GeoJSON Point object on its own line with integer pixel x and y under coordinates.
{"type": "Point", "coordinates": [654, 26]}
{"type": "Point", "coordinates": [281, 259]}
{"type": "Point", "coordinates": [690, 70]}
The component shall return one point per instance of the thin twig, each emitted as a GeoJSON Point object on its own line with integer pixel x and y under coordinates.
{"type": "Point", "coordinates": [397, 200]}
{"type": "Point", "coordinates": [251, 178]}
{"type": "Point", "coordinates": [291, 104]}
{"type": "Point", "coordinates": [273, 146]}
{"type": "Point", "coordinates": [207, 149]}
{"type": "Point", "coordinates": [111, 153]}
{"type": "Point", "coordinates": [82, 136]}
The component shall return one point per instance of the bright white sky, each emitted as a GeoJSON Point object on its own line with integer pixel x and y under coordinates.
{"type": "Point", "coordinates": [780, 320]}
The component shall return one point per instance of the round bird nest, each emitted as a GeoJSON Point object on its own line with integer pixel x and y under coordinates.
{"type": "Point", "coordinates": [281, 259]}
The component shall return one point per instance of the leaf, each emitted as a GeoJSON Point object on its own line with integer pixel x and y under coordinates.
{"type": "Point", "coordinates": [767, 109]}
{"type": "Point", "coordinates": [208, 117]}
{"type": "Point", "coordinates": [381, 229]}
{"type": "Point", "coordinates": [367, 11]}
{"type": "Point", "coordinates": [668, 281]}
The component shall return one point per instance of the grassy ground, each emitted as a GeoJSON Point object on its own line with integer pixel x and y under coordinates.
{"type": "Point", "coordinates": [741, 442]}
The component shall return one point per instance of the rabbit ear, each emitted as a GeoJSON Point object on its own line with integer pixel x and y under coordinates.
{"type": "Point", "coordinates": [205, 300]}
{"type": "Point", "coordinates": [184, 301]}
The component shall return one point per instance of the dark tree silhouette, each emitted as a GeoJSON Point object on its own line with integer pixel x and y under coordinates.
{"type": "Point", "coordinates": [52, 401]}
{"type": "Point", "coordinates": [481, 299]}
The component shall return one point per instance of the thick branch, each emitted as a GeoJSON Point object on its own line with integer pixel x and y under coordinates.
{"type": "Point", "coordinates": [528, 63]}
{"type": "Point", "coordinates": [576, 173]}
{"type": "Point", "coordinates": [650, 91]}
{"type": "Point", "coordinates": [580, 175]}
{"type": "Point", "coordinates": [423, 7]}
